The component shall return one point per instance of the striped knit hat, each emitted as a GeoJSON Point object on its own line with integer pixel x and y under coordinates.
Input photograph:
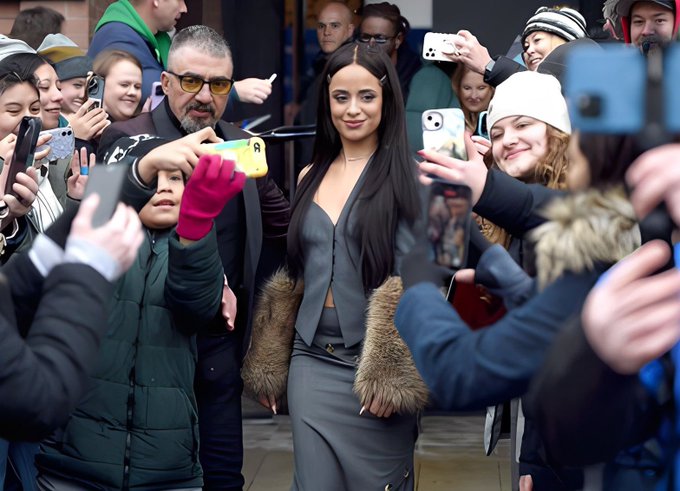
{"type": "Point", "coordinates": [564, 22]}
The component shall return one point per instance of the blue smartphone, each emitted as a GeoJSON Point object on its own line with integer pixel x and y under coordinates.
{"type": "Point", "coordinates": [482, 130]}
{"type": "Point", "coordinates": [605, 89]}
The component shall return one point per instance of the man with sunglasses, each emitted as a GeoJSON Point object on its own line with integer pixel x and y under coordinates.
{"type": "Point", "coordinates": [197, 85]}
{"type": "Point", "coordinates": [141, 28]}
{"type": "Point", "coordinates": [385, 28]}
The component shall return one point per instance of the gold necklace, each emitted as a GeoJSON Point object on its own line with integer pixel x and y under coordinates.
{"type": "Point", "coordinates": [354, 159]}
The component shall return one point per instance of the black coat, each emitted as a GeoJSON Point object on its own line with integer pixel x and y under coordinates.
{"type": "Point", "coordinates": [267, 211]}
{"type": "Point", "coordinates": [62, 318]}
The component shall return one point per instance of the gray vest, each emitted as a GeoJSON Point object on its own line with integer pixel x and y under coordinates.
{"type": "Point", "coordinates": [332, 260]}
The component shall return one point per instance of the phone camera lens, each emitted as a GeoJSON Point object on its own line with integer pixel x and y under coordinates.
{"type": "Point", "coordinates": [436, 125]}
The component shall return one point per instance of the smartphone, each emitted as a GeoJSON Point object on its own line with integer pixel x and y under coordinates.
{"type": "Point", "coordinates": [24, 150]}
{"type": "Point", "coordinates": [482, 129]}
{"type": "Point", "coordinates": [444, 132]}
{"type": "Point", "coordinates": [157, 95]}
{"type": "Point", "coordinates": [595, 103]}
{"type": "Point", "coordinates": [449, 212]}
{"type": "Point", "coordinates": [95, 91]}
{"type": "Point", "coordinates": [249, 155]}
{"type": "Point", "coordinates": [437, 45]}
{"type": "Point", "coordinates": [62, 144]}
{"type": "Point", "coordinates": [107, 181]}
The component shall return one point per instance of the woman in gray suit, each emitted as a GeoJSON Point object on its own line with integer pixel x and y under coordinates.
{"type": "Point", "coordinates": [352, 388]}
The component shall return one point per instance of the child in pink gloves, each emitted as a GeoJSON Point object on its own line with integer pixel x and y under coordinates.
{"type": "Point", "coordinates": [137, 425]}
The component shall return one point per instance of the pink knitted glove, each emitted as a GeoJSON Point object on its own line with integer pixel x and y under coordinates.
{"type": "Point", "coordinates": [212, 184]}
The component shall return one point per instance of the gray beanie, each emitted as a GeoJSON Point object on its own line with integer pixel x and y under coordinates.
{"type": "Point", "coordinates": [9, 47]}
{"type": "Point", "coordinates": [68, 60]}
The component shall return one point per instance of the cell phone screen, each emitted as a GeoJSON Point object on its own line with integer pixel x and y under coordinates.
{"type": "Point", "coordinates": [448, 223]}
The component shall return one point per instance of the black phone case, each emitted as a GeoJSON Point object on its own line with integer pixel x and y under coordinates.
{"type": "Point", "coordinates": [24, 150]}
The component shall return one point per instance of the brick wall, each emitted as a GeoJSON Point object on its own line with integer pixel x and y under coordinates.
{"type": "Point", "coordinates": [78, 25]}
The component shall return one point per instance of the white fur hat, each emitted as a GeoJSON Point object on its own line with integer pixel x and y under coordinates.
{"type": "Point", "coordinates": [532, 94]}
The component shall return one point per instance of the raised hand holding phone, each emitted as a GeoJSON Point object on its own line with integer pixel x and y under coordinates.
{"type": "Point", "coordinates": [471, 172]}
{"type": "Point", "coordinates": [88, 123]}
{"type": "Point", "coordinates": [25, 192]}
{"type": "Point", "coordinates": [61, 143]}
{"type": "Point", "coordinates": [448, 223]}
{"type": "Point", "coordinates": [7, 146]}
{"type": "Point", "coordinates": [213, 183]}
{"type": "Point", "coordinates": [24, 150]}
{"type": "Point", "coordinates": [107, 182]}
{"type": "Point", "coordinates": [444, 130]}
{"type": "Point", "coordinates": [249, 155]}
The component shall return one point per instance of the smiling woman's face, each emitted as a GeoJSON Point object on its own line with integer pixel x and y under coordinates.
{"type": "Point", "coordinates": [518, 143]}
{"type": "Point", "coordinates": [123, 90]}
{"type": "Point", "coordinates": [51, 98]}
{"type": "Point", "coordinates": [538, 45]}
{"type": "Point", "coordinates": [16, 102]}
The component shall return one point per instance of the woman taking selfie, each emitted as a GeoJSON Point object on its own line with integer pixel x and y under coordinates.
{"type": "Point", "coordinates": [529, 130]}
{"type": "Point", "coordinates": [350, 226]}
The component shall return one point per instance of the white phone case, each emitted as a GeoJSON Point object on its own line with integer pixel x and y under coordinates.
{"type": "Point", "coordinates": [436, 44]}
{"type": "Point", "coordinates": [444, 132]}
{"type": "Point", "coordinates": [62, 143]}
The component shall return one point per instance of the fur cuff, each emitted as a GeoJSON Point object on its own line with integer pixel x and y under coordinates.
{"type": "Point", "coordinates": [265, 368]}
{"type": "Point", "coordinates": [386, 370]}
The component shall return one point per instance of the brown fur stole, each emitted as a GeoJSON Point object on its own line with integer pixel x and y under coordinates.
{"type": "Point", "coordinates": [386, 371]}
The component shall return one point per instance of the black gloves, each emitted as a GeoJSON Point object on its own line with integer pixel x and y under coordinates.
{"type": "Point", "coordinates": [416, 267]}
{"type": "Point", "coordinates": [502, 276]}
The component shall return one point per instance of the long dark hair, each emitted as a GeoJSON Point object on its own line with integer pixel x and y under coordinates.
{"type": "Point", "coordinates": [24, 64]}
{"type": "Point", "coordinates": [389, 192]}
{"type": "Point", "coordinates": [19, 68]}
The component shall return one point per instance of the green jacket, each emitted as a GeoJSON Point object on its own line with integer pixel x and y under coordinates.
{"type": "Point", "coordinates": [137, 427]}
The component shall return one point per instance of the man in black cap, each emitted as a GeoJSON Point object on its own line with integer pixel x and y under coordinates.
{"type": "Point", "coordinates": [648, 22]}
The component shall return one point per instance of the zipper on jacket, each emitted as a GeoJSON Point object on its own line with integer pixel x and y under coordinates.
{"type": "Point", "coordinates": [131, 377]}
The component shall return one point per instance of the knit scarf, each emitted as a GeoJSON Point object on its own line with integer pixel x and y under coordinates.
{"type": "Point", "coordinates": [122, 11]}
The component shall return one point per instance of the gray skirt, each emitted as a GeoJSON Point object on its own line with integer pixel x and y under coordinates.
{"type": "Point", "coordinates": [334, 447]}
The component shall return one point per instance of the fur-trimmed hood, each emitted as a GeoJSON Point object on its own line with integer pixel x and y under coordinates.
{"type": "Point", "coordinates": [584, 229]}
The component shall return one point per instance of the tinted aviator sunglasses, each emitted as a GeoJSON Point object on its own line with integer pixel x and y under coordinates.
{"type": "Point", "coordinates": [193, 84]}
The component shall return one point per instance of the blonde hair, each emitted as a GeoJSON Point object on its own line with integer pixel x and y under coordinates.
{"type": "Point", "coordinates": [105, 60]}
{"type": "Point", "coordinates": [471, 118]}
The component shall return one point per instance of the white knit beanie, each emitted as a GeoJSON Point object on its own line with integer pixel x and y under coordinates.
{"type": "Point", "coordinates": [532, 94]}
{"type": "Point", "coordinates": [564, 22]}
